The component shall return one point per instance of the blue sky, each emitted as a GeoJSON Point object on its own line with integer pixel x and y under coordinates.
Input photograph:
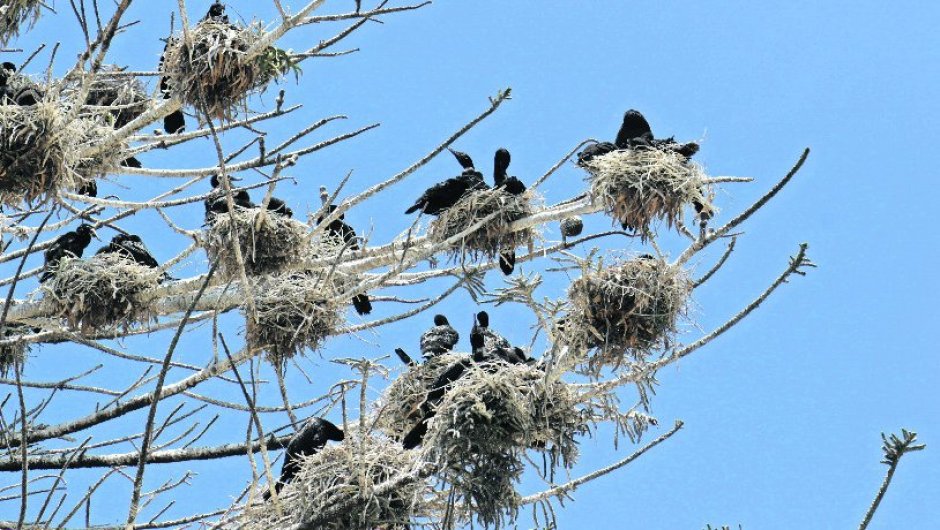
{"type": "Point", "coordinates": [783, 414]}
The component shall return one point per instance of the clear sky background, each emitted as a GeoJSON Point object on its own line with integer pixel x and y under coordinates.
{"type": "Point", "coordinates": [782, 414]}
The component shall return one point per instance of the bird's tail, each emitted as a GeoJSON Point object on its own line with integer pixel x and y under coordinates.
{"type": "Point", "coordinates": [362, 304]}
{"type": "Point", "coordinates": [507, 261]}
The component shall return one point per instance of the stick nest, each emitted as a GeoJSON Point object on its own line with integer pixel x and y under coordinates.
{"type": "Point", "coordinates": [105, 290]}
{"type": "Point", "coordinates": [349, 474]}
{"type": "Point", "coordinates": [14, 352]}
{"type": "Point", "coordinates": [119, 99]}
{"type": "Point", "coordinates": [14, 14]}
{"type": "Point", "coordinates": [485, 422]}
{"type": "Point", "coordinates": [41, 152]}
{"type": "Point", "coordinates": [494, 235]}
{"type": "Point", "coordinates": [215, 74]}
{"type": "Point", "coordinates": [269, 242]}
{"type": "Point", "coordinates": [629, 307]}
{"type": "Point", "coordinates": [294, 311]}
{"type": "Point", "coordinates": [400, 401]}
{"type": "Point", "coordinates": [636, 187]}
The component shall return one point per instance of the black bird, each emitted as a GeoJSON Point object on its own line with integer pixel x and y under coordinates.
{"type": "Point", "coordinates": [28, 96]}
{"type": "Point", "coordinates": [89, 188]}
{"type": "Point", "coordinates": [595, 150]}
{"type": "Point", "coordinates": [7, 69]}
{"type": "Point", "coordinates": [279, 207]}
{"type": "Point", "coordinates": [362, 304]}
{"type": "Point", "coordinates": [174, 122]}
{"type": "Point", "coordinates": [217, 203]}
{"type": "Point", "coordinates": [634, 130]}
{"type": "Point", "coordinates": [435, 395]}
{"type": "Point", "coordinates": [440, 339]}
{"type": "Point", "coordinates": [338, 228]}
{"type": "Point", "coordinates": [571, 226]}
{"type": "Point", "coordinates": [635, 133]}
{"type": "Point", "coordinates": [491, 339]}
{"type": "Point", "coordinates": [500, 178]}
{"type": "Point", "coordinates": [131, 246]}
{"type": "Point", "coordinates": [405, 358]}
{"type": "Point", "coordinates": [443, 195]}
{"type": "Point", "coordinates": [68, 244]}
{"type": "Point", "coordinates": [313, 437]}
{"type": "Point", "coordinates": [131, 162]}
{"type": "Point", "coordinates": [217, 13]}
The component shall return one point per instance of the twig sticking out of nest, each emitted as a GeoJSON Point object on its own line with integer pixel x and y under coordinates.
{"type": "Point", "coordinates": [269, 242]}
{"type": "Point", "coordinates": [215, 74]}
{"type": "Point", "coordinates": [14, 352]}
{"type": "Point", "coordinates": [123, 97]}
{"type": "Point", "coordinates": [40, 152]}
{"type": "Point", "coordinates": [15, 13]}
{"type": "Point", "coordinates": [494, 236]}
{"type": "Point", "coordinates": [485, 422]}
{"type": "Point", "coordinates": [350, 472]}
{"type": "Point", "coordinates": [294, 311]}
{"type": "Point", "coordinates": [105, 290]}
{"type": "Point", "coordinates": [632, 306]}
{"type": "Point", "coordinates": [400, 401]}
{"type": "Point", "coordinates": [638, 186]}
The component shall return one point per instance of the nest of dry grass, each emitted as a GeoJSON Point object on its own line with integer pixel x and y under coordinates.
{"type": "Point", "coordinates": [215, 73]}
{"type": "Point", "coordinates": [293, 311]}
{"type": "Point", "coordinates": [103, 291]}
{"type": "Point", "coordinates": [484, 424]}
{"type": "Point", "coordinates": [41, 152]}
{"type": "Point", "coordinates": [632, 306]}
{"type": "Point", "coordinates": [639, 186]}
{"type": "Point", "coordinates": [397, 407]}
{"type": "Point", "coordinates": [349, 473]}
{"type": "Point", "coordinates": [14, 14]}
{"type": "Point", "coordinates": [494, 235]}
{"type": "Point", "coordinates": [13, 352]}
{"type": "Point", "coordinates": [269, 243]}
{"type": "Point", "coordinates": [120, 99]}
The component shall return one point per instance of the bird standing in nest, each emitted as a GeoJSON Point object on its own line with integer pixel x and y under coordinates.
{"type": "Point", "coordinates": [71, 244]}
{"type": "Point", "coordinates": [440, 339]}
{"type": "Point", "coordinates": [513, 186]}
{"type": "Point", "coordinates": [443, 195]}
{"type": "Point", "coordinates": [133, 247]}
{"type": "Point", "coordinates": [314, 435]}
{"type": "Point", "coordinates": [217, 13]}
{"type": "Point", "coordinates": [347, 234]}
{"type": "Point", "coordinates": [217, 203]}
{"type": "Point", "coordinates": [635, 133]}
{"type": "Point", "coordinates": [279, 207]}
{"type": "Point", "coordinates": [489, 345]}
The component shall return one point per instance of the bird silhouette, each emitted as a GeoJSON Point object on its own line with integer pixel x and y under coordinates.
{"type": "Point", "coordinates": [439, 339]}
{"type": "Point", "coordinates": [443, 195]}
{"type": "Point", "coordinates": [279, 207]}
{"type": "Point", "coordinates": [71, 243]}
{"type": "Point", "coordinates": [314, 435]}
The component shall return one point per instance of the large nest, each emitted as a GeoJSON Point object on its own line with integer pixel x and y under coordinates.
{"type": "Point", "coordinates": [484, 424]}
{"type": "Point", "coordinates": [16, 13]}
{"type": "Point", "coordinates": [216, 74]}
{"type": "Point", "coordinates": [349, 473]}
{"type": "Point", "coordinates": [293, 311]}
{"type": "Point", "coordinates": [268, 242]}
{"type": "Point", "coordinates": [398, 407]}
{"type": "Point", "coordinates": [494, 235]}
{"type": "Point", "coordinates": [629, 307]}
{"type": "Point", "coordinates": [121, 98]}
{"type": "Point", "coordinates": [41, 152]}
{"type": "Point", "coordinates": [12, 351]}
{"type": "Point", "coordinates": [638, 186]}
{"type": "Point", "coordinates": [105, 290]}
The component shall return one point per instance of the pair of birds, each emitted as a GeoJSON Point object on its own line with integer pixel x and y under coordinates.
{"type": "Point", "coordinates": [313, 437]}
{"type": "Point", "coordinates": [175, 122]}
{"type": "Point", "coordinates": [74, 243]}
{"type": "Point", "coordinates": [24, 97]}
{"type": "Point", "coordinates": [443, 195]}
{"type": "Point", "coordinates": [489, 350]}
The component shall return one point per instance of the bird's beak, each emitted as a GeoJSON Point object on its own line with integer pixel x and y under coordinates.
{"type": "Point", "coordinates": [94, 234]}
{"type": "Point", "coordinates": [452, 151]}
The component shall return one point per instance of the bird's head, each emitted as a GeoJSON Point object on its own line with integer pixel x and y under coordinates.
{"type": "Point", "coordinates": [217, 9]}
{"type": "Point", "coordinates": [331, 431]}
{"type": "Point", "coordinates": [502, 157]}
{"type": "Point", "coordinates": [86, 229]}
{"type": "Point", "coordinates": [216, 180]}
{"type": "Point", "coordinates": [462, 158]}
{"type": "Point", "coordinates": [7, 65]}
{"type": "Point", "coordinates": [440, 320]}
{"type": "Point", "coordinates": [484, 319]}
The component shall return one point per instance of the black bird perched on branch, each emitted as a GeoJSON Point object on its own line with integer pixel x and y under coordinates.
{"type": "Point", "coordinates": [217, 203]}
{"type": "Point", "coordinates": [501, 179]}
{"type": "Point", "coordinates": [131, 162]}
{"type": "Point", "coordinates": [440, 339]}
{"type": "Point", "coordinates": [443, 195]}
{"type": "Point", "coordinates": [174, 122]}
{"type": "Point", "coordinates": [279, 207]}
{"type": "Point", "coordinates": [89, 188]}
{"type": "Point", "coordinates": [313, 437]}
{"type": "Point", "coordinates": [338, 228]}
{"type": "Point", "coordinates": [68, 244]}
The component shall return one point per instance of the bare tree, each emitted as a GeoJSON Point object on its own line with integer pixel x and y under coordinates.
{"type": "Point", "coordinates": [292, 281]}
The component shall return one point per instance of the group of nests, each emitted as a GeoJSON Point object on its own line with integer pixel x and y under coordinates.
{"type": "Point", "coordinates": [46, 147]}
{"type": "Point", "coordinates": [639, 179]}
{"type": "Point", "coordinates": [216, 64]}
{"type": "Point", "coordinates": [478, 215]}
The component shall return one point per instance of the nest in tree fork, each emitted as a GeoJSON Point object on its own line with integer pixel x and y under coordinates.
{"type": "Point", "coordinates": [41, 152]}
{"type": "Point", "coordinates": [633, 306]}
{"type": "Point", "coordinates": [269, 242]}
{"type": "Point", "coordinates": [349, 473]}
{"type": "Point", "coordinates": [398, 408]}
{"type": "Point", "coordinates": [484, 424]}
{"type": "Point", "coordinates": [118, 98]}
{"type": "Point", "coordinates": [294, 311]}
{"type": "Point", "coordinates": [494, 235]}
{"type": "Point", "coordinates": [215, 74]}
{"type": "Point", "coordinates": [636, 187]}
{"type": "Point", "coordinates": [14, 14]}
{"type": "Point", "coordinates": [105, 290]}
